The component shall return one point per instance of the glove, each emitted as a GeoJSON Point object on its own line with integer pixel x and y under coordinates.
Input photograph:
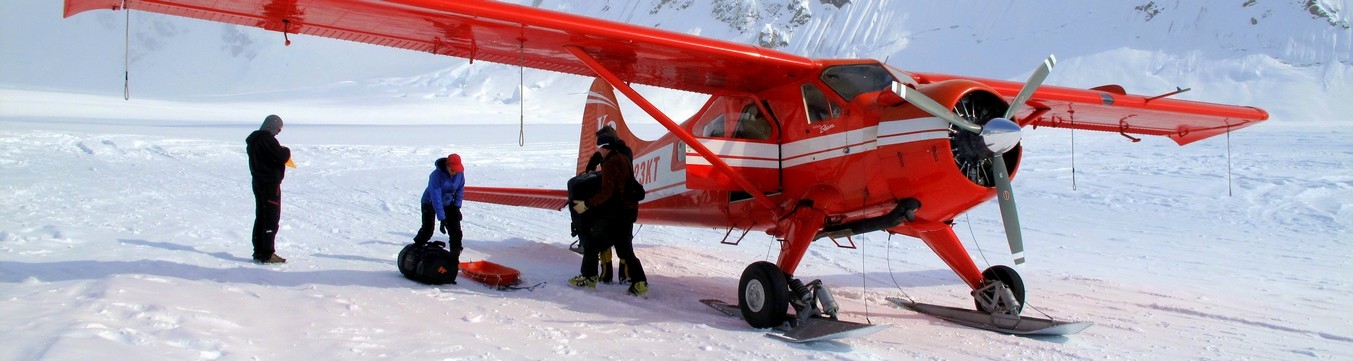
{"type": "Point", "coordinates": [579, 206]}
{"type": "Point", "coordinates": [443, 228]}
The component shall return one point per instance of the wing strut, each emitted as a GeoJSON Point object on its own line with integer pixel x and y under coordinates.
{"type": "Point", "coordinates": [671, 126]}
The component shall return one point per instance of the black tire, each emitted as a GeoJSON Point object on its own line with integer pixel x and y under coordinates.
{"type": "Point", "coordinates": [1009, 277]}
{"type": "Point", "coordinates": [763, 295]}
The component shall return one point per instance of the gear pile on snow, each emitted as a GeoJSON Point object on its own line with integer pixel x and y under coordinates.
{"type": "Point", "coordinates": [429, 263]}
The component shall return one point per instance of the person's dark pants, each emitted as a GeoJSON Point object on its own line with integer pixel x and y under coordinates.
{"type": "Point", "coordinates": [592, 247]}
{"type": "Point", "coordinates": [430, 225]}
{"type": "Point", "coordinates": [612, 231]}
{"type": "Point", "coordinates": [267, 214]}
{"type": "Point", "coordinates": [630, 268]}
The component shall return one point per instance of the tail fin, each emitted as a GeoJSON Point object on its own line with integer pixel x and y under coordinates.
{"type": "Point", "coordinates": [602, 110]}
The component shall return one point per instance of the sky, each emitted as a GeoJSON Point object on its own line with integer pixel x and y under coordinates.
{"type": "Point", "coordinates": [126, 224]}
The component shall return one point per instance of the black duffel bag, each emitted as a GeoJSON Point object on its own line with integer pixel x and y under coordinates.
{"type": "Point", "coordinates": [429, 263]}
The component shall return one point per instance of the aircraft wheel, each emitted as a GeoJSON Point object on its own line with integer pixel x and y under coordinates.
{"type": "Point", "coordinates": [1009, 277]}
{"type": "Point", "coordinates": [763, 295]}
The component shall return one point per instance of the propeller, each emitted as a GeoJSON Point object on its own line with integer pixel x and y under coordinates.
{"type": "Point", "coordinates": [999, 135]}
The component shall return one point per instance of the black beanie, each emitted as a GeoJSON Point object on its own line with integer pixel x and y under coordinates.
{"type": "Point", "coordinates": [608, 141]}
{"type": "Point", "coordinates": [272, 124]}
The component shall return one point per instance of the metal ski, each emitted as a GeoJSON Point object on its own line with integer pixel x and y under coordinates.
{"type": "Point", "coordinates": [808, 330]}
{"type": "Point", "coordinates": [723, 307]}
{"type": "Point", "coordinates": [1014, 325]}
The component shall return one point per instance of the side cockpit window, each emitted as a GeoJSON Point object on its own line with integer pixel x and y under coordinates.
{"type": "Point", "coordinates": [817, 106]}
{"type": "Point", "coordinates": [714, 128]}
{"type": "Point", "coordinates": [734, 117]}
{"type": "Point", "coordinates": [752, 124]}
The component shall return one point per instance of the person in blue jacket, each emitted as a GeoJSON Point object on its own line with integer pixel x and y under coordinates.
{"type": "Point", "coordinates": [441, 201]}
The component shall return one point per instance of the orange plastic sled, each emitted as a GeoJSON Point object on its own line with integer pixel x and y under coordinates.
{"type": "Point", "coordinates": [491, 274]}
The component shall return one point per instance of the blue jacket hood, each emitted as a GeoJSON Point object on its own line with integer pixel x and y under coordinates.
{"type": "Point", "coordinates": [444, 190]}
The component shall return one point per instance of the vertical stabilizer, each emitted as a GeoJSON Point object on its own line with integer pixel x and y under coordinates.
{"type": "Point", "coordinates": [602, 109]}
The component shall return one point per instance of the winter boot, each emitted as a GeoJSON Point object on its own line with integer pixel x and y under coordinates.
{"type": "Point", "coordinates": [607, 273]}
{"type": "Point", "coordinates": [638, 289]}
{"type": "Point", "coordinates": [271, 260]}
{"type": "Point", "coordinates": [583, 281]}
{"type": "Point", "coordinates": [624, 272]}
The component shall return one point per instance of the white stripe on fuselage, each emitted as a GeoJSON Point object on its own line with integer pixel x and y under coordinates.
{"type": "Point", "coordinates": [763, 155]}
{"type": "Point", "coordinates": [654, 169]}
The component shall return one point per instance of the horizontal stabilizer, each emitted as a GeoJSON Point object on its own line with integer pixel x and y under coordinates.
{"type": "Point", "coordinates": [553, 199]}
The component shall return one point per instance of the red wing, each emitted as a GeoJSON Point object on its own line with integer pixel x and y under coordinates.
{"type": "Point", "coordinates": [1110, 109]}
{"type": "Point", "coordinates": [503, 33]}
{"type": "Point", "coordinates": [554, 199]}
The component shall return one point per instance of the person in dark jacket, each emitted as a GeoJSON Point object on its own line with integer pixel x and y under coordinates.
{"type": "Point", "coordinates": [267, 166]}
{"type": "Point", "coordinates": [614, 226]}
{"type": "Point", "coordinates": [607, 274]}
{"type": "Point", "coordinates": [441, 202]}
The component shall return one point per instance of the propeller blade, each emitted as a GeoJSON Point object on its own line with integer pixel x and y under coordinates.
{"type": "Point", "coordinates": [918, 99]}
{"type": "Point", "coordinates": [1035, 80]}
{"type": "Point", "coordinates": [1005, 195]}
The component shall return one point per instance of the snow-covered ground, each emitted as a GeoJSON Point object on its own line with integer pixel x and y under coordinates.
{"type": "Point", "coordinates": [129, 240]}
{"type": "Point", "coordinates": [124, 225]}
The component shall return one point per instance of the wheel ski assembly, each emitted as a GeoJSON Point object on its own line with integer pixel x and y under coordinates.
{"type": "Point", "coordinates": [1002, 313]}
{"type": "Point", "coordinates": [815, 318]}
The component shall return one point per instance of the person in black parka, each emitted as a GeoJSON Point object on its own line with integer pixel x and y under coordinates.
{"type": "Point", "coordinates": [615, 222]}
{"type": "Point", "coordinates": [607, 274]}
{"type": "Point", "coordinates": [267, 166]}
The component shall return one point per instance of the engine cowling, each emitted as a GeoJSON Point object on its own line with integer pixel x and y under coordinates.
{"type": "Point", "coordinates": [971, 153]}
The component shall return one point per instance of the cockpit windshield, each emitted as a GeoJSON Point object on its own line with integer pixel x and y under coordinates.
{"type": "Point", "coordinates": [850, 81]}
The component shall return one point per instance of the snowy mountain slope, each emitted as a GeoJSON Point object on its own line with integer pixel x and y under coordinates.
{"type": "Point", "coordinates": [1266, 49]}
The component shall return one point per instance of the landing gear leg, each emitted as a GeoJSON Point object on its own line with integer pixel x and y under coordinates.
{"type": "Point", "coordinates": [764, 290]}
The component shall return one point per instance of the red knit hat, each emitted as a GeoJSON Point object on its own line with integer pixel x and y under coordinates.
{"type": "Point", "coordinates": [453, 163]}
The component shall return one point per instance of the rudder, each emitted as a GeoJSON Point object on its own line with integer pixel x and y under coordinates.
{"type": "Point", "coordinates": [601, 109]}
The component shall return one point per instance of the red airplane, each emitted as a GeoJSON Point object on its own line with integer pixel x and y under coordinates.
{"type": "Point", "coordinates": [796, 147]}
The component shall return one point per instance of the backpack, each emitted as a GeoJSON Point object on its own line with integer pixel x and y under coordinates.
{"type": "Point", "coordinates": [586, 185]}
{"type": "Point", "coordinates": [430, 263]}
{"type": "Point", "coordinates": [583, 186]}
{"type": "Point", "coordinates": [634, 192]}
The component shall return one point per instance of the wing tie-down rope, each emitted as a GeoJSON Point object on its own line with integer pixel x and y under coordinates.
{"type": "Point", "coordinates": [521, 93]}
{"type": "Point", "coordinates": [126, 54]}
